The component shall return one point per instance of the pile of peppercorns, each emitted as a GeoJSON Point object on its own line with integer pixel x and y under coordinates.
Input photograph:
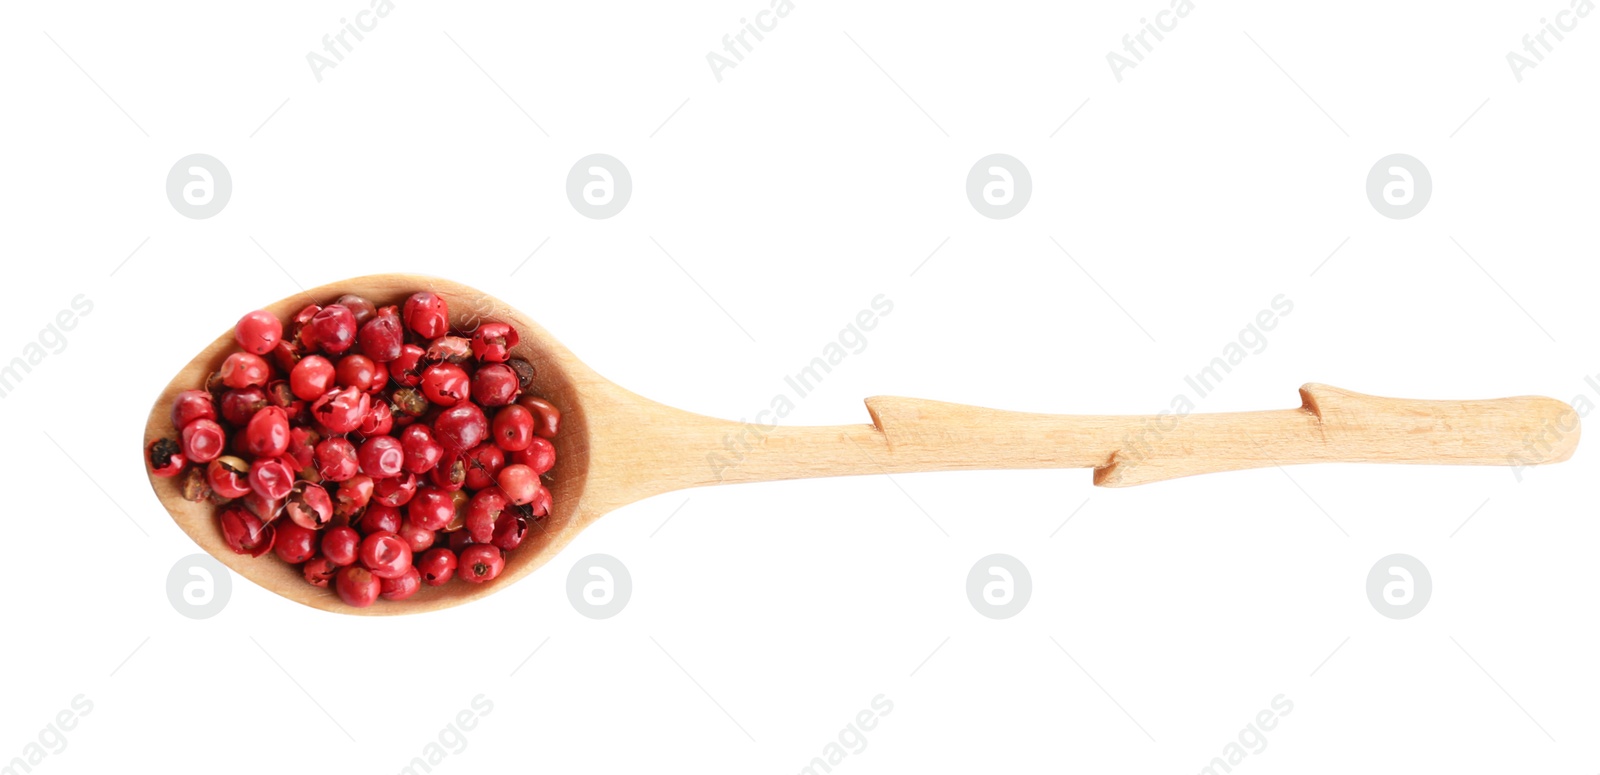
{"type": "Point", "coordinates": [372, 446]}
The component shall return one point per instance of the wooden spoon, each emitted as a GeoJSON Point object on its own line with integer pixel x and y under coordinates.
{"type": "Point", "coordinates": [616, 447]}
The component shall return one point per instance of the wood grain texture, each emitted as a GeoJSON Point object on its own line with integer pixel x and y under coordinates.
{"type": "Point", "coordinates": [616, 447]}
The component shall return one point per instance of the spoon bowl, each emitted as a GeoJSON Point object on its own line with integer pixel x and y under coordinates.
{"type": "Point", "coordinates": [616, 447]}
{"type": "Point", "coordinates": [558, 378]}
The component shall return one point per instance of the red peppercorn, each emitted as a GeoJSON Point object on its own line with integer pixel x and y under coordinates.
{"type": "Point", "coordinates": [358, 306]}
{"type": "Point", "coordinates": [483, 511]}
{"type": "Point", "coordinates": [332, 330]}
{"type": "Point", "coordinates": [446, 384]}
{"type": "Point", "coordinates": [406, 368]}
{"type": "Point", "coordinates": [341, 411]}
{"type": "Point", "coordinates": [416, 536]}
{"type": "Point", "coordinates": [395, 491]}
{"type": "Point", "coordinates": [295, 328]}
{"type": "Point", "coordinates": [460, 427]}
{"type": "Point", "coordinates": [458, 540]}
{"type": "Point", "coordinates": [483, 465]}
{"type": "Point", "coordinates": [243, 370]}
{"type": "Point", "coordinates": [492, 342]}
{"type": "Point", "coordinates": [299, 413]}
{"type": "Point", "coordinates": [542, 502]}
{"type": "Point", "coordinates": [513, 428]}
{"type": "Point", "coordinates": [309, 505]}
{"type": "Point", "coordinates": [279, 394]}
{"type": "Point", "coordinates": [495, 384]}
{"type": "Point", "coordinates": [438, 566]}
{"type": "Point", "coordinates": [480, 563]}
{"type": "Point", "coordinates": [238, 406]}
{"type": "Point", "coordinates": [354, 494]}
{"type": "Point", "coordinates": [165, 457]}
{"type": "Point", "coordinates": [336, 459]}
{"type": "Point", "coordinates": [450, 474]}
{"type": "Point", "coordinates": [262, 506]}
{"type": "Point", "coordinates": [547, 419]}
{"type": "Point", "coordinates": [243, 532]}
{"type": "Point", "coordinates": [341, 545]}
{"type": "Point", "coordinates": [402, 586]}
{"type": "Point", "coordinates": [312, 377]}
{"type": "Point", "coordinates": [319, 571]}
{"type": "Point", "coordinates": [356, 586]}
{"type": "Point", "coordinates": [294, 544]}
{"type": "Point", "coordinates": [302, 450]}
{"type": "Point", "coordinates": [379, 420]}
{"type": "Point", "coordinates": [381, 337]}
{"type": "Point", "coordinates": [431, 508]}
{"type": "Point", "coordinates": [519, 482]}
{"type": "Point", "coordinates": [203, 440]}
{"type": "Point", "coordinates": [427, 315]}
{"type": "Point", "coordinates": [229, 477]}
{"type": "Point", "coordinates": [539, 456]}
{"type": "Point", "coordinates": [192, 485]}
{"type": "Point", "coordinates": [267, 433]}
{"type": "Point", "coordinates": [258, 332]}
{"type": "Point", "coordinates": [422, 452]}
{"type": "Point", "coordinates": [286, 354]}
{"type": "Point", "coordinates": [360, 372]}
{"type": "Point", "coordinates": [381, 457]}
{"type": "Point", "coordinates": [385, 554]}
{"type": "Point", "coordinates": [454, 349]}
{"type": "Point", "coordinates": [379, 518]}
{"type": "Point", "coordinates": [191, 405]}
{"type": "Point", "coordinates": [271, 477]}
{"type": "Point", "coordinates": [524, 371]}
{"type": "Point", "coordinates": [380, 377]}
{"type": "Point", "coordinates": [509, 530]}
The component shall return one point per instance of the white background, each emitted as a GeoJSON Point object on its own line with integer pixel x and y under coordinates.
{"type": "Point", "coordinates": [764, 617]}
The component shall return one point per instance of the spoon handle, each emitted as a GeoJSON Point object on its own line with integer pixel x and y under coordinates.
{"type": "Point", "coordinates": [1331, 426]}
